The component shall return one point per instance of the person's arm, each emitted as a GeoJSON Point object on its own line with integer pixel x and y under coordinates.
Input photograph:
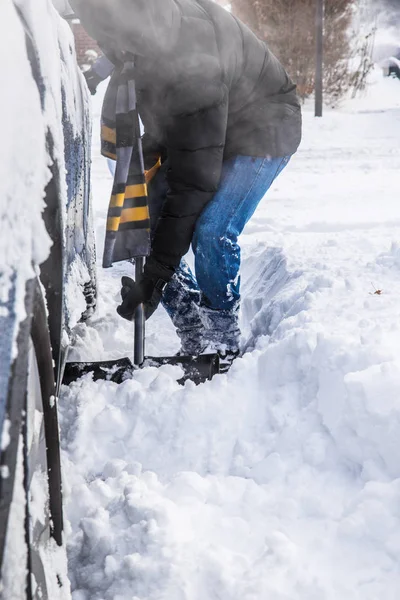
{"type": "Point", "coordinates": [195, 146]}
{"type": "Point", "coordinates": [195, 142]}
{"type": "Point", "coordinates": [100, 70]}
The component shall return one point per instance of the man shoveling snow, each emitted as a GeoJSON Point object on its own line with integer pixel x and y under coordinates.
{"type": "Point", "coordinates": [222, 114]}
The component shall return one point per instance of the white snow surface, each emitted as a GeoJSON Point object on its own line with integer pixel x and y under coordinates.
{"type": "Point", "coordinates": [23, 238]}
{"type": "Point", "coordinates": [281, 479]}
{"type": "Point", "coordinates": [24, 241]}
{"type": "Point", "coordinates": [13, 572]}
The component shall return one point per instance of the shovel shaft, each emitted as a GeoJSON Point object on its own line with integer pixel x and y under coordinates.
{"type": "Point", "coordinates": [138, 354]}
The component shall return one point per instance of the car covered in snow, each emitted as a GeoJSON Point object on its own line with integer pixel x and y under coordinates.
{"type": "Point", "coordinates": [47, 282]}
{"type": "Point", "coordinates": [390, 67]}
{"type": "Point", "coordinates": [387, 57]}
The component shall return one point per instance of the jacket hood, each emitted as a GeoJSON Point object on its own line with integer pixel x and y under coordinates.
{"type": "Point", "coordinates": [142, 27]}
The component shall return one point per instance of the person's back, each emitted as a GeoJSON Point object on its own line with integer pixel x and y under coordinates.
{"type": "Point", "coordinates": [212, 48]}
{"type": "Point", "coordinates": [187, 52]}
{"type": "Point", "coordinates": [264, 111]}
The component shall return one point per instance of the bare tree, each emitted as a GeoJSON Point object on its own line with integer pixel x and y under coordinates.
{"type": "Point", "coordinates": [288, 27]}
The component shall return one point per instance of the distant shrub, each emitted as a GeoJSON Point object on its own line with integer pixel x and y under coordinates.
{"type": "Point", "coordinates": [288, 27]}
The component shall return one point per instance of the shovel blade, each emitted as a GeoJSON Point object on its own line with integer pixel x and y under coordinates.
{"type": "Point", "coordinates": [109, 370]}
{"type": "Point", "coordinates": [196, 368]}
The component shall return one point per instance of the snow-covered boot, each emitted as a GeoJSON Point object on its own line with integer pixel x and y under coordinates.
{"type": "Point", "coordinates": [181, 299]}
{"type": "Point", "coordinates": [192, 339]}
{"type": "Point", "coordinates": [226, 359]}
{"type": "Point", "coordinates": [222, 334]}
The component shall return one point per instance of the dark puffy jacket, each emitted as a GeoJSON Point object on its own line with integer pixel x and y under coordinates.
{"type": "Point", "coordinates": [207, 89]}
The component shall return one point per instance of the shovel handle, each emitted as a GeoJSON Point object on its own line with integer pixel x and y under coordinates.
{"type": "Point", "coordinates": [138, 353]}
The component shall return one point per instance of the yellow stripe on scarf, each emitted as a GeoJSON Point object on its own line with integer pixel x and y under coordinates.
{"type": "Point", "coordinates": [113, 223]}
{"type": "Point", "coordinates": [108, 134]}
{"type": "Point", "coordinates": [117, 200]}
{"type": "Point", "coordinates": [140, 213]}
{"type": "Point", "coordinates": [136, 191]}
{"type": "Point", "coordinates": [109, 155]}
{"type": "Point", "coordinates": [149, 174]}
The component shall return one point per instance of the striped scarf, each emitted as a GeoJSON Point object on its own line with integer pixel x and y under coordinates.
{"type": "Point", "coordinates": [128, 224]}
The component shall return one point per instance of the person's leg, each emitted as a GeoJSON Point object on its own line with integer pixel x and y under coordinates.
{"type": "Point", "coordinates": [244, 182]}
{"type": "Point", "coordinates": [181, 300]}
{"type": "Point", "coordinates": [181, 296]}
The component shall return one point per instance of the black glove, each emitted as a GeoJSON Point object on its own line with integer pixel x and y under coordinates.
{"type": "Point", "coordinates": [92, 80]}
{"type": "Point", "coordinates": [147, 291]}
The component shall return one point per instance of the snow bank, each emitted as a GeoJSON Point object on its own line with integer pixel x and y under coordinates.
{"type": "Point", "coordinates": [280, 480]}
{"type": "Point", "coordinates": [23, 173]}
{"type": "Point", "coordinates": [31, 123]}
{"type": "Point", "coordinates": [29, 112]}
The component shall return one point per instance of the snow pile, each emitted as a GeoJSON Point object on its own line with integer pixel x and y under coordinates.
{"type": "Point", "coordinates": [31, 110]}
{"type": "Point", "coordinates": [32, 126]}
{"type": "Point", "coordinates": [24, 239]}
{"type": "Point", "coordinates": [280, 480]}
{"type": "Point", "coordinates": [382, 93]}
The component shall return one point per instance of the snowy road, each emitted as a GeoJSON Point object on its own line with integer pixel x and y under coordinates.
{"type": "Point", "coordinates": [280, 480]}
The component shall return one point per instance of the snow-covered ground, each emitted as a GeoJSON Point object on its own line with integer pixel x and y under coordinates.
{"type": "Point", "coordinates": [280, 480]}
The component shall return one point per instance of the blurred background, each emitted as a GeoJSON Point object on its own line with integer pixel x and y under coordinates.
{"type": "Point", "coordinates": [358, 34]}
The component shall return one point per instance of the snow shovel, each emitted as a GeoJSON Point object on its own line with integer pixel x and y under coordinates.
{"type": "Point", "coordinates": [128, 229]}
{"type": "Point", "coordinates": [196, 368]}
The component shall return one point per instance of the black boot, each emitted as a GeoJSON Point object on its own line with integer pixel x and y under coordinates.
{"type": "Point", "coordinates": [226, 359]}
{"type": "Point", "coordinates": [223, 334]}
{"type": "Point", "coordinates": [192, 339]}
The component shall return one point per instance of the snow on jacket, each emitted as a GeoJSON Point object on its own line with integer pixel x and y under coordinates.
{"type": "Point", "coordinates": [207, 89]}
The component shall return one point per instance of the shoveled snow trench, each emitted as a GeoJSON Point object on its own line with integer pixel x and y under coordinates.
{"type": "Point", "coordinates": [280, 480]}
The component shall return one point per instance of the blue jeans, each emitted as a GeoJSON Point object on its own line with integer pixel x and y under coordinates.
{"type": "Point", "coordinates": [204, 308]}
